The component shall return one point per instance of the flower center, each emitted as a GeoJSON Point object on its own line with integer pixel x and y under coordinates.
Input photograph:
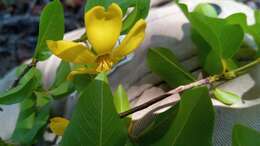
{"type": "Point", "coordinates": [104, 63]}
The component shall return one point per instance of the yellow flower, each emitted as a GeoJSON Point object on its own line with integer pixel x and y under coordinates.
{"type": "Point", "coordinates": [58, 125]}
{"type": "Point", "coordinates": [103, 29]}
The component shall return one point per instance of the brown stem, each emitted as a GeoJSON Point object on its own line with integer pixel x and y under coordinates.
{"type": "Point", "coordinates": [172, 92]}
{"type": "Point", "coordinates": [225, 76]}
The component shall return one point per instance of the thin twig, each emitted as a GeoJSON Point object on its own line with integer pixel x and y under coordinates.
{"type": "Point", "coordinates": [27, 68]}
{"type": "Point", "coordinates": [161, 97]}
{"type": "Point", "coordinates": [209, 80]}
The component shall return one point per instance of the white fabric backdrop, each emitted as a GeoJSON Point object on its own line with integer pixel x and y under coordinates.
{"type": "Point", "coordinates": [167, 27]}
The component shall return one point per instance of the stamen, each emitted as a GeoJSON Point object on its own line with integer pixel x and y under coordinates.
{"type": "Point", "coordinates": [105, 63]}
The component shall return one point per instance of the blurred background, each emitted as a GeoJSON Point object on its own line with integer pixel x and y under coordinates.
{"type": "Point", "coordinates": [19, 21]}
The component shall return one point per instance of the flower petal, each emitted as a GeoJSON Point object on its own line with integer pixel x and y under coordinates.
{"type": "Point", "coordinates": [103, 27]}
{"type": "Point", "coordinates": [71, 52]}
{"type": "Point", "coordinates": [58, 125]}
{"type": "Point", "coordinates": [80, 71]}
{"type": "Point", "coordinates": [132, 40]}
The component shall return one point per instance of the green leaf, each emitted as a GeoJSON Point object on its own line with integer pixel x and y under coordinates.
{"type": "Point", "coordinates": [163, 62]}
{"type": "Point", "coordinates": [20, 69]}
{"type": "Point", "coordinates": [42, 98]}
{"type": "Point", "coordinates": [62, 86]}
{"type": "Point", "coordinates": [121, 99]}
{"type": "Point", "coordinates": [51, 28]}
{"type": "Point", "coordinates": [206, 9]}
{"type": "Point", "coordinates": [255, 32]}
{"type": "Point", "coordinates": [226, 97]}
{"type": "Point", "coordinates": [213, 64]}
{"type": "Point", "coordinates": [32, 119]}
{"type": "Point", "coordinates": [193, 125]}
{"type": "Point", "coordinates": [24, 89]}
{"type": "Point", "coordinates": [130, 3]}
{"type": "Point", "coordinates": [95, 120]}
{"type": "Point", "coordinates": [224, 38]}
{"type": "Point", "coordinates": [92, 3]}
{"type": "Point", "coordinates": [140, 11]}
{"type": "Point", "coordinates": [244, 136]}
{"type": "Point", "coordinates": [130, 143]}
{"type": "Point", "coordinates": [82, 81]}
{"type": "Point", "coordinates": [61, 74]}
{"type": "Point", "coordinates": [2, 143]}
{"type": "Point", "coordinates": [238, 18]}
{"type": "Point", "coordinates": [156, 129]}
{"type": "Point", "coordinates": [211, 36]}
{"type": "Point", "coordinates": [62, 90]}
{"type": "Point", "coordinates": [124, 4]}
{"type": "Point", "coordinates": [102, 77]}
{"type": "Point", "coordinates": [257, 16]}
{"type": "Point", "coordinates": [209, 60]}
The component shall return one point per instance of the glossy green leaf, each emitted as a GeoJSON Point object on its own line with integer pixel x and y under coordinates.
{"type": "Point", "coordinates": [206, 9]}
{"type": "Point", "coordinates": [102, 77]}
{"type": "Point", "coordinates": [238, 18]}
{"type": "Point", "coordinates": [95, 120]}
{"type": "Point", "coordinates": [158, 127]}
{"type": "Point", "coordinates": [20, 69]}
{"type": "Point", "coordinates": [62, 86]}
{"type": "Point", "coordinates": [51, 28]}
{"type": "Point", "coordinates": [215, 48]}
{"type": "Point", "coordinates": [124, 4]}
{"type": "Point", "coordinates": [164, 63]}
{"type": "Point", "coordinates": [214, 65]}
{"type": "Point", "coordinates": [257, 16]}
{"type": "Point", "coordinates": [130, 143]}
{"type": "Point", "coordinates": [62, 90]}
{"type": "Point", "coordinates": [226, 97]}
{"type": "Point", "coordinates": [255, 31]}
{"type": "Point", "coordinates": [23, 90]}
{"type": "Point", "coordinates": [140, 11]}
{"type": "Point", "coordinates": [224, 38]}
{"type": "Point", "coordinates": [3, 143]}
{"type": "Point", "coordinates": [209, 60]}
{"type": "Point", "coordinates": [92, 3]}
{"type": "Point", "coordinates": [121, 99]}
{"type": "Point", "coordinates": [32, 118]}
{"type": "Point", "coordinates": [193, 125]}
{"type": "Point", "coordinates": [244, 136]}
{"type": "Point", "coordinates": [82, 81]}
{"type": "Point", "coordinates": [61, 74]}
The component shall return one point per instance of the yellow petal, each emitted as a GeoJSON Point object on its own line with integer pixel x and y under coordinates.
{"type": "Point", "coordinates": [71, 52]}
{"type": "Point", "coordinates": [103, 27]}
{"type": "Point", "coordinates": [132, 40]}
{"type": "Point", "coordinates": [58, 125]}
{"type": "Point", "coordinates": [81, 71]}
